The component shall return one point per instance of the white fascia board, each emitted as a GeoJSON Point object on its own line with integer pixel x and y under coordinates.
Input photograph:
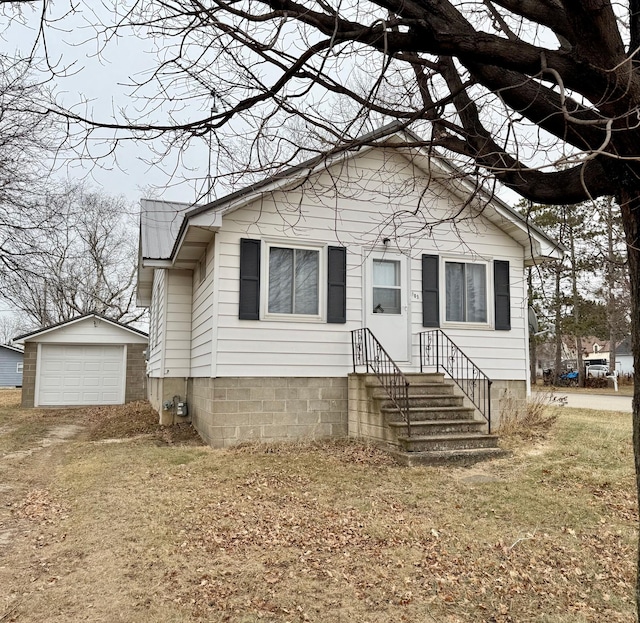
{"type": "Point", "coordinates": [208, 219]}
{"type": "Point", "coordinates": [152, 263]}
{"type": "Point", "coordinates": [205, 220]}
{"type": "Point", "coordinates": [541, 246]}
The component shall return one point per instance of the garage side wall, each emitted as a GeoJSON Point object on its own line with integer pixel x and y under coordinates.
{"type": "Point", "coordinates": [29, 374]}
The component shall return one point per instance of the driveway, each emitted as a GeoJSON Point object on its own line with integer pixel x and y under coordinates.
{"type": "Point", "coordinates": [597, 401]}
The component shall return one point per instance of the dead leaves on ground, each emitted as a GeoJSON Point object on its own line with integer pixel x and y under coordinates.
{"type": "Point", "coordinates": [134, 419]}
{"type": "Point", "coordinates": [39, 506]}
{"type": "Point", "coordinates": [273, 546]}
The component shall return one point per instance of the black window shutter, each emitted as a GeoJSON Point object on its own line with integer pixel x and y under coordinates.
{"type": "Point", "coordinates": [430, 294]}
{"type": "Point", "coordinates": [336, 284]}
{"type": "Point", "coordinates": [502, 295]}
{"type": "Point", "coordinates": [249, 279]}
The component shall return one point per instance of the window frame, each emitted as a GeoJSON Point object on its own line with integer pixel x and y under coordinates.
{"type": "Point", "coordinates": [19, 367]}
{"type": "Point", "coordinates": [321, 248]}
{"type": "Point", "coordinates": [489, 293]}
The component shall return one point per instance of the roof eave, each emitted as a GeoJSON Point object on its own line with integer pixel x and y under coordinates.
{"type": "Point", "coordinates": [21, 339]}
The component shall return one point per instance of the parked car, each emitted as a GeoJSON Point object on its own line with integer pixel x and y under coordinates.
{"type": "Point", "coordinates": [597, 370]}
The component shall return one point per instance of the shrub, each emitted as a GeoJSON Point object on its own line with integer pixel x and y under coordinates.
{"type": "Point", "coordinates": [527, 419]}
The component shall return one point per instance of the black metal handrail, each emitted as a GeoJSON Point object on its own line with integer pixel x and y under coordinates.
{"type": "Point", "coordinates": [367, 351]}
{"type": "Point", "coordinates": [437, 349]}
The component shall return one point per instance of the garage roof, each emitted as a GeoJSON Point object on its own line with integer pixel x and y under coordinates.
{"type": "Point", "coordinates": [30, 337]}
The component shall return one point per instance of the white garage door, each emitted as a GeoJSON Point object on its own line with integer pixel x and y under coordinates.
{"type": "Point", "coordinates": [81, 375]}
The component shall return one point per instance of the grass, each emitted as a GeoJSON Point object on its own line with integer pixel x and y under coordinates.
{"type": "Point", "coordinates": [160, 529]}
{"type": "Point", "coordinates": [625, 389]}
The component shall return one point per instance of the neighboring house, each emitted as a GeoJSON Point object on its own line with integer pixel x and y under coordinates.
{"type": "Point", "coordinates": [10, 366]}
{"type": "Point", "coordinates": [599, 351]}
{"type": "Point", "coordinates": [253, 297]}
{"type": "Point", "coordinates": [89, 360]}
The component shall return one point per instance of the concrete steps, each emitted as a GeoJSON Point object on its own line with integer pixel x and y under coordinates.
{"type": "Point", "coordinates": [442, 429]}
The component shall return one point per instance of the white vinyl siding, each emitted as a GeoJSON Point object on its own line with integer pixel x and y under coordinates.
{"type": "Point", "coordinates": [155, 352]}
{"type": "Point", "coordinates": [202, 319]}
{"type": "Point", "coordinates": [177, 346]}
{"type": "Point", "coordinates": [358, 216]}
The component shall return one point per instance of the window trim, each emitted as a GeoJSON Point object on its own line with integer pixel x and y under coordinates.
{"type": "Point", "coordinates": [489, 294]}
{"type": "Point", "coordinates": [19, 367]}
{"type": "Point", "coordinates": [321, 248]}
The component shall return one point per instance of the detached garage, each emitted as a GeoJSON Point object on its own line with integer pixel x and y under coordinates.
{"type": "Point", "coordinates": [89, 360]}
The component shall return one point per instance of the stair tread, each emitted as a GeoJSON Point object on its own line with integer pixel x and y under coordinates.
{"type": "Point", "coordinates": [400, 423]}
{"type": "Point", "coordinates": [423, 396]}
{"type": "Point", "coordinates": [425, 457]}
{"type": "Point", "coordinates": [436, 408]}
{"type": "Point", "coordinates": [447, 437]}
{"type": "Point", "coordinates": [446, 382]}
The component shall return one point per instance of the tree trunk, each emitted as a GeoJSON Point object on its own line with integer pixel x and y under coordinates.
{"type": "Point", "coordinates": [576, 309]}
{"type": "Point", "coordinates": [558, 321]}
{"type": "Point", "coordinates": [533, 362]}
{"type": "Point", "coordinates": [630, 205]}
{"type": "Point", "coordinates": [611, 302]}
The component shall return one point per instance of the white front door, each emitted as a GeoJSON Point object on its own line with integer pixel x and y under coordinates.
{"type": "Point", "coordinates": [386, 302]}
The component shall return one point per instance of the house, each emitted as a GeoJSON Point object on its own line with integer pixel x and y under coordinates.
{"type": "Point", "coordinates": [253, 297]}
{"type": "Point", "coordinates": [89, 360]}
{"type": "Point", "coordinates": [600, 352]}
{"type": "Point", "coordinates": [10, 366]}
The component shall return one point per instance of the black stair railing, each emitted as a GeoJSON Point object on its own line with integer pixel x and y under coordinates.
{"type": "Point", "coordinates": [437, 349]}
{"type": "Point", "coordinates": [368, 352]}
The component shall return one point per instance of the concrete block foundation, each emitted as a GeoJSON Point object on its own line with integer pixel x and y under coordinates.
{"type": "Point", "coordinates": [228, 411]}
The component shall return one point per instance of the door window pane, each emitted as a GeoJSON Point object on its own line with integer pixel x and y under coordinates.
{"type": "Point", "coordinates": [387, 297]}
{"type": "Point", "coordinates": [293, 281]}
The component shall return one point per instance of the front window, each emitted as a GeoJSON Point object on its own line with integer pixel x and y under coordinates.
{"type": "Point", "coordinates": [466, 292]}
{"type": "Point", "coordinates": [293, 281]}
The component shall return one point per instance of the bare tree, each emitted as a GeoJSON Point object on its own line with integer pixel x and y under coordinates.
{"type": "Point", "coordinates": [26, 142]}
{"type": "Point", "coordinates": [86, 262]}
{"type": "Point", "coordinates": [513, 87]}
{"type": "Point", "coordinates": [12, 325]}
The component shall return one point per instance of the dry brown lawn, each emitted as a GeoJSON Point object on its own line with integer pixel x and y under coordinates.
{"type": "Point", "coordinates": [104, 516]}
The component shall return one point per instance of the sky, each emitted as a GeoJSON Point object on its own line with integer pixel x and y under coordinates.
{"type": "Point", "coordinates": [97, 84]}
